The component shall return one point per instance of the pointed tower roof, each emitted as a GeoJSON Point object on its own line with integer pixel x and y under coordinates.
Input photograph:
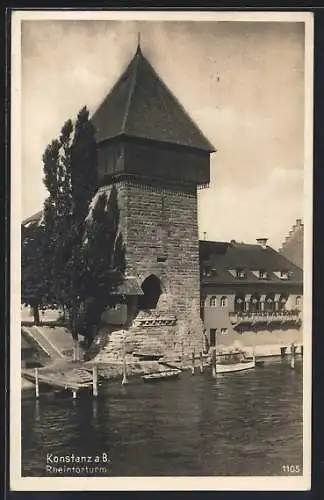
{"type": "Point", "coordinates": [140, 105]}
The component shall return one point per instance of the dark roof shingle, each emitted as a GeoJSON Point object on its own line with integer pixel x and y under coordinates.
{"type": "Point", "coordinates": [140, 105]}
{"type": "Point", "coordinates": [225, 256]}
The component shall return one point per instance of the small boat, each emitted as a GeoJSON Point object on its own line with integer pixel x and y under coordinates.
{"type": "Point", "coordinates": [258, 362]}
{"type": "Point", "coordinates": [148, 357]}
{"type": "Point", "coordinates": [235, 361]}
{"type": "Point", "coordinates": [161, 376]}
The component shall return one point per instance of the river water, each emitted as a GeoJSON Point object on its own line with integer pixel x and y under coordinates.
{"type": "Point", "coordinates": [247, 423]}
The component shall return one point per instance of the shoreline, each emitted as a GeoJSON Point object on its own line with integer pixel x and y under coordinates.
{"type": "Point", "coordinates": [134, 369]}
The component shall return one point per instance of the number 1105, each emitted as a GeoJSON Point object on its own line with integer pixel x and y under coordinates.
{"type": "Point", "coordinates": [291, 469]}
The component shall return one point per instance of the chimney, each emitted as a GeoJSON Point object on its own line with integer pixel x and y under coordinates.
{"type": "Point", "coordinates": [262, 242]}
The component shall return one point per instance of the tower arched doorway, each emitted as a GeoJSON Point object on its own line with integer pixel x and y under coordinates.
{"type": "Point", "coordinates": [152, 290]}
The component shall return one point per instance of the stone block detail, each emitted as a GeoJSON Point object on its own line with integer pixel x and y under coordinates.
{"type": "Point", "coordinates": [160, 231]}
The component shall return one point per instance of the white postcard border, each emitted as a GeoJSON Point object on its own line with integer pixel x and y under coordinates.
{"type": "Point", "coordinates": [267, 483]}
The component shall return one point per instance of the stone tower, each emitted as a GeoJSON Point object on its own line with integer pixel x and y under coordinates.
{"type": "Point", "coordinates": [155, 158]}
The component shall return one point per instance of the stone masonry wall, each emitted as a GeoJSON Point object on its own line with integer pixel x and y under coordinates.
{"type": "Point", "coordinates": [161, 224]}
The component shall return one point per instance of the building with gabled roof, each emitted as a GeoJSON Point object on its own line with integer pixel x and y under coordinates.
{"type": "Point", "coordinates": [32, 220]}
{"type": "Point", "coordinates": [292, 247]}
{"type": "Point", "coordinates": [251, 295]}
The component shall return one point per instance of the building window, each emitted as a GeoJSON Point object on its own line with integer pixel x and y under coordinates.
{"type": "Point", "coordinates": [269, 304]}
{"type": "Point", "coordinates": [212, 337]}
{"type": "Point", "coordinates": [213, 301]}
{"type": "Point", "coordinates": [240, 274]}
{"type": "Point", "coordinates": [255, 303]}
{"type": "Point", "coordinates": [224, 331]}
{"type": "Point", "coordinates": [282, 302]}
{"type": "Point", "coordinates": [263, 275]}
{"type": "Point", "coordinates": [223, 301]}
{"type": "Point", "coordinates": [284, 275]}
{"type": "Point", "coordinates": [239, 303]}
{"type": "Point", "coordinates": [298, 301]}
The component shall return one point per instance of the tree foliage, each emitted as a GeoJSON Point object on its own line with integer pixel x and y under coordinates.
{"type": "Point", "coordinates": [34, 269]}
{"type": "Point", "coordinates": [83, 250]}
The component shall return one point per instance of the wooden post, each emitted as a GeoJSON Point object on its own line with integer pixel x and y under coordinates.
{"type": "Point", "coordinates": [76, 351]}
{"type": "Point", "coordinates": [37, 412]}
{"type": "Point", "coordinates": [124, 380]}
{"type": "Point", "coordinates": [283, 351]}
{"type": "Point", "coordinates": [74, 394]}
{"type": "Point", "coordinates": [292, 356]}
{"type": "Point", "coordinates": [201, 362]}
{"type": "Point", "coordinates": [193, 362]}
{"type": "Point", "coordinates": [214, 363]}
{"type": "Point", "coordinates": [95, 408]}
{"type": "Point", "coordinates": [95, 381]}
{"type": "Point", "coordinates": [182, 353]}
{"type": "Point", "coordinates": [36, 384]}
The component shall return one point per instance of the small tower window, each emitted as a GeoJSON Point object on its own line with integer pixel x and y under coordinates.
{"type": "Point", "coordinates": [213, 301]}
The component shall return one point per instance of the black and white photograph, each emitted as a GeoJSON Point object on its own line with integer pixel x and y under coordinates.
{"type": "Point", "coordinates": [161, 250]}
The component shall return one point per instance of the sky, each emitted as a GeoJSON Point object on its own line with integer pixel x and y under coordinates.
{"type": "Point", "coordinates": [242, 82]}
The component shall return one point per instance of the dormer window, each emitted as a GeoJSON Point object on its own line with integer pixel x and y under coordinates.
{"type": "Point", "coordinates": [240, 274]}
{"type": "Point", "coordinates": [284, 275]}
{"type": "Point", "coordinates": [263, 275]}
{"type": "Point", "coordinates": [207, 272]}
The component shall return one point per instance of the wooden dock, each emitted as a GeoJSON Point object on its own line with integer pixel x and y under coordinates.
{"type": "Point", "coordinates": [70, 379]}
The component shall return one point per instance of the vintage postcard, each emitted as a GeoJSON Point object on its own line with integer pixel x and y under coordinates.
{"type": "Point", "coordinates": [161, 250]}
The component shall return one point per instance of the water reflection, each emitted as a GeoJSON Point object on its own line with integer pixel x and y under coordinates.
{"type": "Point", "coordinates": [247, 423]}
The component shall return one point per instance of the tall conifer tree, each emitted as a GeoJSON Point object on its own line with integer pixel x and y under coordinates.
{"type": "Point", "coordinates": [81, 257]}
